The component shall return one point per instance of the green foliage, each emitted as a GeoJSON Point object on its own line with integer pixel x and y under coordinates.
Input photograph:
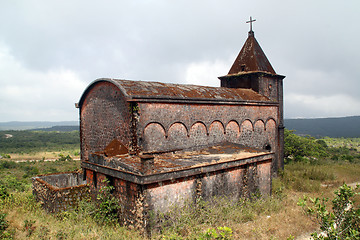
{"type": "Point", "coordinates": [4, 226]}
{"type": "Point", "coordinates": [343, 222]}
{"type": "Point", "coordinates": [7, 164]}
{"type": "Point", "coordinates": [64, 158]}
{"type": "Point", "coordinates": [37, 141]}
{"type": "Point", "coordinates": [106, 208]}
{"type": "Point", "coordinates": [3, 223]}
{"type": "Point", "coordinates": [108, 205]}
{"type": "Point", "coordinates": [4, 193]}
{"type": "Point", "coordinates": [29, 227]}
{"type": "Point", "coordinates": [303, 149]}
{"type": "Point", "coordinates": [221, 233]}
{"type": "Point", "coordinates": [12, 183]}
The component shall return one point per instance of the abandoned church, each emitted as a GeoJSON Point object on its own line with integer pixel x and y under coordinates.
{"type": "Point", "coordinates": [161, 145]}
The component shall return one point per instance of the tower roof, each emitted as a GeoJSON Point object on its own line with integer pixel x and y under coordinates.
{"type": "Point", "coordinates": [251, 58]}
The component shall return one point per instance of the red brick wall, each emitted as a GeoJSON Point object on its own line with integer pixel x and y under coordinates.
{"type": "Point", "coordinates": [166, 126]}
{"type": "Point", "coordinates": [104, 116]}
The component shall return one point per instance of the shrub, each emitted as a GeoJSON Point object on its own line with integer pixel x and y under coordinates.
{"type": "Point", "coordinates": [64, 158]}
{"type": "Point", "coordinates": [3, 192]}
{"type": "Point", "coordinates": [3, 223]}
{"type": "Point", "coordinates": [7, 164]}
{"type": "Point", "coordinates": [302, 149]}
{"type": "Point", "coordinates": [108, 205]}
{"type": "Point", "coordinates": [221, 233]}
{"type": "Point", "coordinates": [343, 222]}
{"type": "Point", "coordinates": [106, 208]}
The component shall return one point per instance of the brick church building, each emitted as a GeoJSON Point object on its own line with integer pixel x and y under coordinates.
{"type": "Point", "coordinates": [163, 144]}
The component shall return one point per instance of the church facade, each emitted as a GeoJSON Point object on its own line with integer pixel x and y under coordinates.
{"type": "Point", "coordinates": [161, 145]}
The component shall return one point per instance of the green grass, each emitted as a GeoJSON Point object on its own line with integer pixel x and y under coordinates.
{"type": "Point", "coordinates": [275, 217]}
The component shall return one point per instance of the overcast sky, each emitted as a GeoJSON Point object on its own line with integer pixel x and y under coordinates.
{"type": "Point", "coordinates": [51, 50]}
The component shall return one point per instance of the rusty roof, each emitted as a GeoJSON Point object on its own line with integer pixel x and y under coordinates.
{"type": "Point", "coordinates": [140, 90]}
{"type": "Point", "coordinates": [251, 58]}
{"type": "Point", "coordinates": [180, 160]}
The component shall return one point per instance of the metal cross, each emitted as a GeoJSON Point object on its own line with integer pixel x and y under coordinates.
{"type": "Point", "coordinates": [251, 21]}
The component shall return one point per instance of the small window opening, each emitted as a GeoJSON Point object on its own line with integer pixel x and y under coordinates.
{"type": "Point", "coordinates": [268, 147]}
{"type": "Point", "coordinates": [243, 67]}
{"type": "Point", "coordinates": [95, 179]}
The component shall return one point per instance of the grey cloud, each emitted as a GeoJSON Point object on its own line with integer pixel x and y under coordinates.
{"type": "Point", "coordinates": [313, 43]}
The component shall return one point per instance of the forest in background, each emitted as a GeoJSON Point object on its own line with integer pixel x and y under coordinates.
{"type": "Point", "coordinates": [347, 127]}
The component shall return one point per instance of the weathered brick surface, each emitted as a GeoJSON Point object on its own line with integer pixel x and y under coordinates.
{"type": "Point", "coordinates": [104, 116]}
{"type": "Point", "coordinates": [168, 126]}
{"type": "Point", "coordinates": [138, 200]}
{"type": "Point", "coordinates": [162, 196]}
{"type": "Point", "coordinates": [159, 127]}
{"type": "Point", "coordinates": [59, 192]}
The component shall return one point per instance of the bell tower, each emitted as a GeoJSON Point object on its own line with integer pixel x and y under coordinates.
{"type": "Point", "coordinates": [251, 69]}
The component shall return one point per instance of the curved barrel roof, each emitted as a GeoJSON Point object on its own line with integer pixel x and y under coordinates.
{"type": "Point", "coordinates": [144, 90]}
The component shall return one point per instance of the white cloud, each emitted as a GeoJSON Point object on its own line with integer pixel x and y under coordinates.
{"type": "Point", "coordinates": [338, 105]}
{"type": "Point", "coordinates": [28, 95]}
{"type": "Point", "coordinates": [205, 73]}
{"type": "Point", "coordinates": [47, 48]}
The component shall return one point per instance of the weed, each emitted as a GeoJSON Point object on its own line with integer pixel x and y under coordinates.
{"type": "Point", "coordinates": [61, 235]}
{"type": "Point", "coordinates": [106, 208]}
{"type": "Point", "coordinates": [5, 233]}
{"type": "Point", "coordinates": [43, 233]}
{"type": "Point", "coordinates": [3, 192]}
{"type": "Point", "coordinates": [3, 223]}
{"type": "Point", "coordinates": [29, 227]}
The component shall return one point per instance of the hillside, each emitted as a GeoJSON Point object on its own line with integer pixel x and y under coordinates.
{"type": "Point", "coordinates": [321, 127]}
{"type": "Point", "coordinates": [16, 125]}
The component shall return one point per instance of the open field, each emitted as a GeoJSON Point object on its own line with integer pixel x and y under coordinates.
{"type": "Point", "coordinates": [313, 169]}
{"type": "Point", "coordinates": [276, 217]}
{"type": "Point", "coordinates": [73, 153]}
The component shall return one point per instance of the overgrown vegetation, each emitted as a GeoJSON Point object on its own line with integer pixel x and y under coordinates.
{"type": "Point", "coordinates": [314, 167]}
{"type": "Point", "coordinates": [340, 222]}
{"type": "Point", "coordinates": [26, 142]}
{"type": "Point", "coordinates": [105, 209]}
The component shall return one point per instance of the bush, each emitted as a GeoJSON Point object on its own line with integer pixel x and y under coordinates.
{"type": "Point", "coordinates": [106, 208]}
{"type": "Point", "coordinates": [64, 158]}
{"type": "Point", "coordinates": [3, 192]}
{"type": "Point", "coordinates": [7, 164]}
{"type": "Point", "coordinates": [221, 233]}
{"type": "Point", "coordinates": [303, 149]}
{"type": "Point", "coordinates": [343, 222]}
{"type": "Point", "coordinates": [4, 225]}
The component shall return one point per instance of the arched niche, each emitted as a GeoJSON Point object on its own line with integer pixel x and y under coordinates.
{"type": "Point", "coordinates": [154, 137]}
{"type": "Point", "coordinates": [246, 133]}
{"type": "Point", "coordinates": [232, 131]}
{"type": "Point", "coordinates": [259, 138]}
{"type": "Point", "coordinates": [198, 134]}
{"type": "Point", "coordinates": [216, 132]}
{"type": "Point", "coordinates": [177, 136]}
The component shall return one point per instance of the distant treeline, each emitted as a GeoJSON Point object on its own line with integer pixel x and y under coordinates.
{"type": "Point", "coordinates": [347, 127]}
{"type": "Point", "coordinates": [26, 141]}
{"type": "Point", "coordinates": [59, 128]}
